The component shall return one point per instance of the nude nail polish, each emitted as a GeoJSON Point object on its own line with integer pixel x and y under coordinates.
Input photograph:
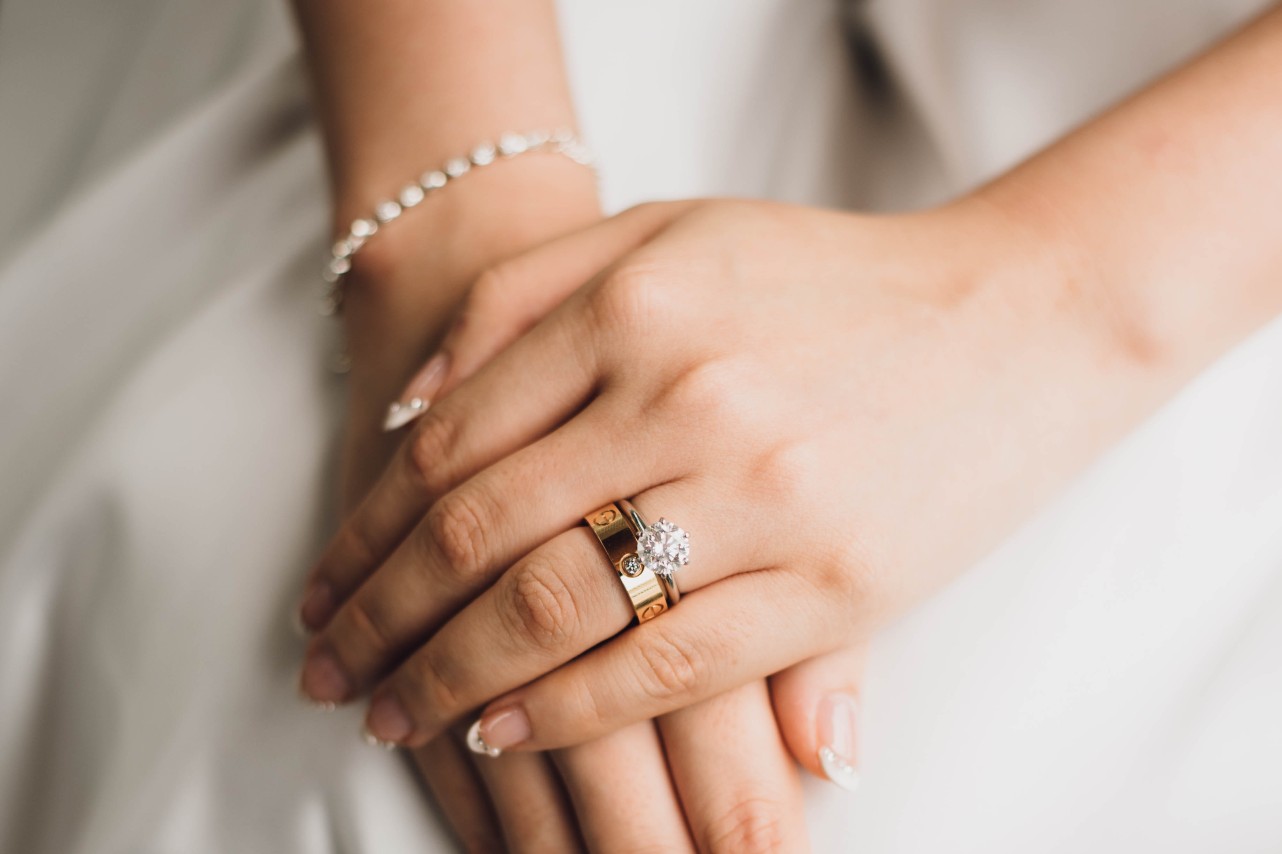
{"type": "Point", "coordinates": [387, 720]}
{"type": "Point", "coordinates": [417, 396]}
{"type": "Point", "coordinates": [323, 679]}
{"type": "Point", "coordinates": [836, 729]}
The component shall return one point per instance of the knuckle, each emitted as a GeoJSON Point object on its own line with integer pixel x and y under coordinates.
{"type": "Point", "coordinates": [434, 684]}
{"type": "Point", "coordinates": [712, 392]}
{"type": "Point", "coordinates": [788, 472]}
{"type": "Point", "coordinates": [360, 549]}
{"type": "Point", "coordinates": [627, 302]}
{"type": "Point", "coordinates": [751, 824]}
{"type": "Point", "coordinates": [543, 609]}
{"type": "Point", "coordinates": [431, 446]}
{"type": "Point", "coordinates": [671, 669]}
{"type": "Point", "coordinates": [488, 292]}
{"type": "Point", "coordinates": [457, 524]}
{"type": "Point", "coordinates": [368, 629]}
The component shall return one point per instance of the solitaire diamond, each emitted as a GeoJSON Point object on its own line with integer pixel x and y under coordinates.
{"type": "Point", "coordinates": [664, 548]}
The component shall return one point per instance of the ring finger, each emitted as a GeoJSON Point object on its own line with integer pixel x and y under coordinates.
{"type": "Point", "coordinates": [557, 602]}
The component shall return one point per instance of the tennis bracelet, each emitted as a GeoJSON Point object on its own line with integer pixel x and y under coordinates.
{"type": "Point", "coordinates": [509, 145]}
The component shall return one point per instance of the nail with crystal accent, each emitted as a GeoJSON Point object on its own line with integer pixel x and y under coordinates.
{"type": "Point", "coordinates": [399, 414]}
{"type": "Point", "coordinates": [477, 744]}
{"type": "Point", "coordinates": [374, 741]}
{"type": "Point", "coordinates": [499, 730]}
{"type": "Point", "coordinates": [836, 726]}
{"type": "Point", "coordinates": [418, 395]}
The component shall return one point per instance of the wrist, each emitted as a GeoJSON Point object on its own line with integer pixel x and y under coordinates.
{"type": "Point", "coordinates": [407, 281]}
{"type": "Point", "coordinates": [485, 215]}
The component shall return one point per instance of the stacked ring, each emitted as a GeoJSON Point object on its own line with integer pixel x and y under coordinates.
{"type": "Point", "coordinates": [640, 529]}
{"type": "Point", "coordinates": [615, 533]}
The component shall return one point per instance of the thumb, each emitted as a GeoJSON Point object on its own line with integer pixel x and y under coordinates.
{"type": "Point", "coordinates": [513, 296]}
{"type": "Point", "coordinates": [817, 709]}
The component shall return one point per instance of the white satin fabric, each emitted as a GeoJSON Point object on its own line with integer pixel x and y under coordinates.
{"type": "Point", "coordinates": [1109, 680]}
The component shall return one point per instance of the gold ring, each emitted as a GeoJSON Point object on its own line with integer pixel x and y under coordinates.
{"type": "Point", "coordinates": [614, 531]}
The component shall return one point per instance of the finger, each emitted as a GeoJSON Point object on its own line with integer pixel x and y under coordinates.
{"type": "Point", "coordinates": [471, 535]}
{"type": "Point", "coordinates": [511, 297]}
{"type": "Point", "coordinates": [742, 628]}
{"type": "Point", "coordinates": [523, 394]}
{"type": "Point", "coordinates": [622, 792]}
{"type": "Point", "coordinates": [555, 603]}
{"type": "Point", "coordinates": [533, 808]}
{"type": "Point", "coordinates": [816, 704]}
{"type": "Point", "coordinates": [459, 794]}
{"type": "Point", "coordinates": [738, 785]}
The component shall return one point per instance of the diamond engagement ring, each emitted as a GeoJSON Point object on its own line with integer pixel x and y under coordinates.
{"type": "Point", "coordinates": [614, 530]}
{"type": "Point", "coordinates": [662, 548]}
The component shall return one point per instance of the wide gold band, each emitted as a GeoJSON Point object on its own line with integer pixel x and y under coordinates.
{"type": "Point", "coordinates": [616, 536]}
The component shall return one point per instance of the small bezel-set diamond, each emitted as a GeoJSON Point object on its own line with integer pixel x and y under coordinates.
{"type": "Point", "coordinates": [631, 566]}
{"type": "Point", "coordinates": [664, 548]}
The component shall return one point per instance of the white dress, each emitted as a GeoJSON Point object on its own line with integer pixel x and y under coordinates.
{"type": "Point", "coordinates": [1109, 680]}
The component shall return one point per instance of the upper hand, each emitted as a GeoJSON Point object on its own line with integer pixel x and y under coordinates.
{"type": "Point", "coordinates": [843, 411]}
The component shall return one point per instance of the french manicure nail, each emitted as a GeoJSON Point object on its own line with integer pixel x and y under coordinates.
{"type": "Point", "coordinates": [387, 720]}
{"type": "Point", "coordinates": [836, 730]}
{"type": "Point", "coordinates": [374, 741]}
{"type": "Point", "coordinates": [317, 606]}
{"type": "Point", "coordinates": [499, 730]}
{"type": "Point", "coordinates": [477, 744]}
{"type": "Point", "coordinates": [323, 680]}
{"type": "Point", "coordinates": [417, 396]}
{"type": "Point", "coordinates": [399, 414]}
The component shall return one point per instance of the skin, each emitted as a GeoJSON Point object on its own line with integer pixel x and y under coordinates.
{"type": "Point", "coordinates": [399, 89]}
{"type": "Point", "coordinates": [880, 399]}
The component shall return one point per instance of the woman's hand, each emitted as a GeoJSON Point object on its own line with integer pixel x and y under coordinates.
{"type": "Point", "coordinates": [716, 776]}
{"type": "Point", "coordinates": [844, 412]}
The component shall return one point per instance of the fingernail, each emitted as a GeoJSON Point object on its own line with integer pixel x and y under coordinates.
{"type": "Point", "coordinates": [316, 704]}
{"type": "Point", "coordinates": [836, 729]}
{"type": "Point", "coordinates": [323, 680]}
{"type": "Point", "coordinates": [417, 396]}
{"type": "Point", "coordinates": [374, 741]}
{"type": "Point", "coordinates": [317, 606]}
{"type": "Point", "coordinates": [387, 720]}
{"type": "Point", "coordinates": [399, 414]}
{"type": "Point", "coordinates": [499, 730]}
